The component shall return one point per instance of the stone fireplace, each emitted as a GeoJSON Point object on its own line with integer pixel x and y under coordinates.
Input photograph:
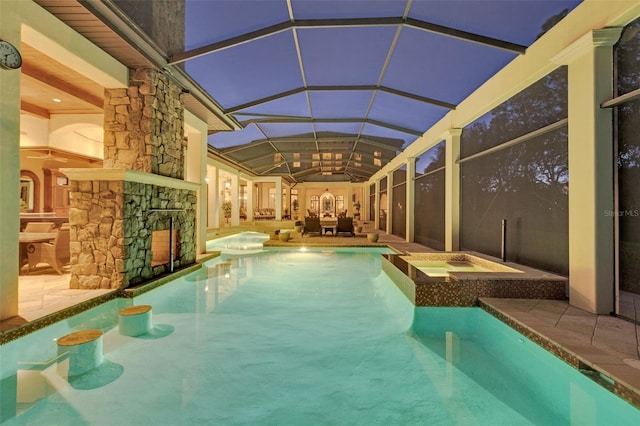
{"type": "Point", "coordinates": [140, 193]}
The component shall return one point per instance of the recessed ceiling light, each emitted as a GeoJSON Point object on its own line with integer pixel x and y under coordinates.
{"type": "Point", "coordinates": [56, 100]}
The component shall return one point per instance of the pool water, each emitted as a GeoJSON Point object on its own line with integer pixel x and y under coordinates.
{"type": "Point", "coordinates": [441, 268]}
{"type": "Point", "coordinates": [307, 337]}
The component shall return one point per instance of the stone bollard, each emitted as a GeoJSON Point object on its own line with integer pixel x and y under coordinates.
{"type": "Point", "coordinates": [135, 320]}
{"type": "Point", "coordinates": [84, 349]}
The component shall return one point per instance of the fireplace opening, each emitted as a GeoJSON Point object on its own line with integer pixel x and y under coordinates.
{"type": "Point", "coordinates": [163, 244]}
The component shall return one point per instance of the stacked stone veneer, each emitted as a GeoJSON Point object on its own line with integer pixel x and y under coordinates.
{"type": "Point", "coordinates": [111, 227]}
{"type": "Point", "coordinates": [144, 126]}
{"type": "Point", "coordinates": [114, 210]}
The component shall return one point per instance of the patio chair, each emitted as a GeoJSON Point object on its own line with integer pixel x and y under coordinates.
{"type": "Point", "coordinates": [312, 226]}
{"type": "Point", "coordinates": [55, 254]}
{"type": "Point", "coordinates": [345, 226]}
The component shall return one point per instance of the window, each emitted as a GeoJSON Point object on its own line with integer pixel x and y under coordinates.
{"type": "Point", "coordinates": [272, 198]}
{"type": "Point", "coordinates": [340, 204]}
{"type": "Point", "coordinates": [315, 204]}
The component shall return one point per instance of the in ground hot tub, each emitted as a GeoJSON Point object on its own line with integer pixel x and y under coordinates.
{"type": "Point", "coordinates": [461, 278]}
{"type": "Point", "coordinates": [442, 268]}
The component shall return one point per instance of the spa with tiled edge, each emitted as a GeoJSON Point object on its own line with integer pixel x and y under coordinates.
{"type": "Point", "coordinates": [428, 285]}
{"type": "Point", "coordinates": [493, 279]}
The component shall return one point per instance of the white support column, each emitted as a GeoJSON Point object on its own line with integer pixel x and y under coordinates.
{"type": "Point", "coordinates": [250, 197]}
{"type": "Point", "coordinates": [203, 199]}
{"type": "Point", "coordinates": [411, 200]}
{"type": "Point", "coordinates": [452, 190]}
{"type": "Point", "coordinates": [196, 171]}
{"type": "Point", "coordinates": [235, 200]}
{"type": "Point", "coordinates": [303, 198]}
{"type": "Point", "coordinates": [278, 199]}
{"type": "Point", "coordinates": [215, 203]}
{"type": "Point", "coordinates": [211, 194]}
{"type": "Point", "coordinates": [365, 202]}
{"type": "Point", "coordinates": [348, 202]}
{"type": "Point", "coordinates": [377, 207]}
{"type": "Point", "coordinates": [389, 205]}
{"type": "Point", "coordinates": [591, 163]}
{"type": "Point", "coordinates": [286, 201]}
{"type": "Point", "coordinates": [10, 171]}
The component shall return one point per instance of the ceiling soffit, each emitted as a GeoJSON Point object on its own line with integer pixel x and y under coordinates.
{"type": "Point", "coordinates": [105, 25]}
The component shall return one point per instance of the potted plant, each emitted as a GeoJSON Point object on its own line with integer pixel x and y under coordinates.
{"type": "Point", "coordinates": [226, 208]}
{"type": "Point", "coordinates": [284, 236]}
{"type": "Point", "coordinates": [356, 206]}
{"type": "Point", "coordinates": [294, 206]}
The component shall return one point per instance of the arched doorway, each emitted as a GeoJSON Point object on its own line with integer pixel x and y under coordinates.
{"type": "Point", "coordinates": [29, 192]}
{"type": "Point", "coordinates": [327, 205]}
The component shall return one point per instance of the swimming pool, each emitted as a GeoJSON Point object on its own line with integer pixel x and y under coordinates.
{"type": "Point", "coordinates": [315, 336]}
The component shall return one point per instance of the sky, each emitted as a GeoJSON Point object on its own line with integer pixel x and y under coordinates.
{"type": "Point", "coordinates": [399, 57]}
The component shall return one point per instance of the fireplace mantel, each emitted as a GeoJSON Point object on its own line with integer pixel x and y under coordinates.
{"type": "Point", "coordinates": [127, 175]}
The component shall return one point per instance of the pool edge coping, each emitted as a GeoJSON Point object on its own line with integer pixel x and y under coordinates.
{"type": "Point", "coordinates": [611, 382]}
{"type": "Point", "coordinates": [120, 293]}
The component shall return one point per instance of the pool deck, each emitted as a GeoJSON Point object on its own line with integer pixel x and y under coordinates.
{"type": "Point", "coordinates": [602, 346]}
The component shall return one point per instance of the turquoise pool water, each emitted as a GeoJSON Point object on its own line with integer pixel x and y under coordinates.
{"type": "Point", "coordinates": [315, 337]}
